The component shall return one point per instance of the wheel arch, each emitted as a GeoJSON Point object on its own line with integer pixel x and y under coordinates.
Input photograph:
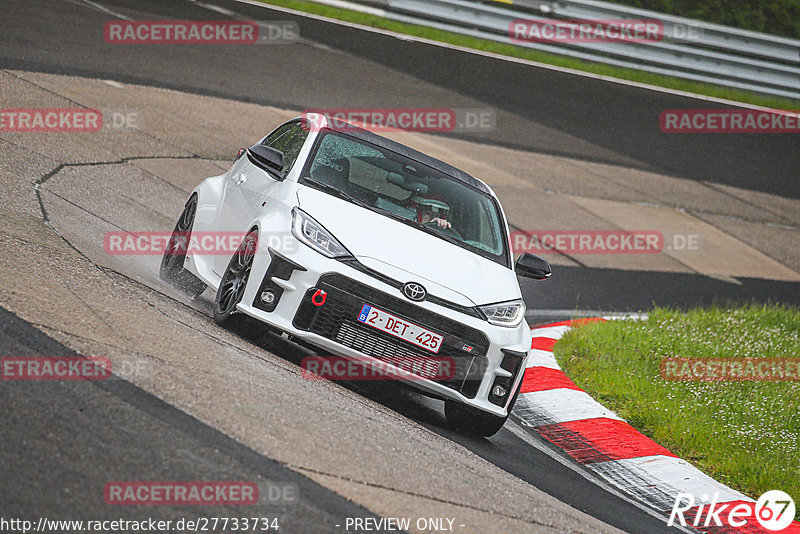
{"type": "Point", "coordinates": [209, 198]}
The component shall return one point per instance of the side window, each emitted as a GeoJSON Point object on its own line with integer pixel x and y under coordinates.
{"type": "Point", "coordinates": [289, 139]}
{"type": "Point", "coordinates": [355, 164]}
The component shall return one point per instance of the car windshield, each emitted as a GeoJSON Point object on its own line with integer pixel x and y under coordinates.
{"type": "Point", "coordinates": [408, 191]}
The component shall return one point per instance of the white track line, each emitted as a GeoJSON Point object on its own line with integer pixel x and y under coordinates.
{"type": "Point", "coordinates": [676, 473]}
{"type": "Point", "coordinates": [542, 358]}
{"type": "Point", "coordinates": [542, 447]}
{"type": "Point", "coordinates": [551, 332]}
{"type": "Point", "coordinates": [561, 406]}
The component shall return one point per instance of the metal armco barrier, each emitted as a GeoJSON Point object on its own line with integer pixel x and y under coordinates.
{"type": "Point", "coordinates": [689, 49]}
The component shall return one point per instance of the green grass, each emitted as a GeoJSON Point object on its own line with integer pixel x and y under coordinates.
{"type": "Point", "coordinates": [744, 434]}
{"type": "Point", "coordinates": [515, 51]}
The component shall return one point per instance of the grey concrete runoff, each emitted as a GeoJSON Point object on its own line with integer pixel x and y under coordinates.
{"type": "Point", "coordinates": [63, 192]}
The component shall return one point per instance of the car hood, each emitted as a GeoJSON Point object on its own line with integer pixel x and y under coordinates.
{"type": "Point", "coordinates": [407, 254]}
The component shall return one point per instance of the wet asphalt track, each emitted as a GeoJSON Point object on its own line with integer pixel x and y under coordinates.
{"type": "Point", "coordinates": [618, 123]}
{"type": "Point", "coordinates": [63, 441]}
{"type": "Point", "coordinates": [141, 434]}
{"type": "Point", "coordinates": [335, 69]}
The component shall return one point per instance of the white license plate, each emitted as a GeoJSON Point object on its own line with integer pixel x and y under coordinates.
{"type": "Point", "coordinates": [386, 322]}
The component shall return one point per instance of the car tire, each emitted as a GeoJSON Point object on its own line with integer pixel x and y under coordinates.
{"type": "Point", "coordinates": [474, 422]}
{"type": "Point", "coordinates": [172, 268]}
{"type": "Point", "coordinates": [234, 280]}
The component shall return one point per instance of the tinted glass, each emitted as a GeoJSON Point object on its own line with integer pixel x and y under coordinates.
{"type": "Point", "coordinates": [408, 190]}
{"type": "Point", "coordinates": [289, 139]}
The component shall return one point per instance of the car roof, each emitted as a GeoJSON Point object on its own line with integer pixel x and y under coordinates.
{"type": "Point", "coordinates": [410, 153]}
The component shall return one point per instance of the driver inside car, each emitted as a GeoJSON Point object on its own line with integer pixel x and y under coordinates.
{"type": "Point", "coordinates": [432, 210]}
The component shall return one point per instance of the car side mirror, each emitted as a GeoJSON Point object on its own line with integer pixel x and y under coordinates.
{"type": "Point", "coordinates": [532, 266]}
{"type": "Point", "coordinates": [266, 158]}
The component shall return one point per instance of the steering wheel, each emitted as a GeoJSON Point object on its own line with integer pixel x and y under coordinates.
{"type": "Point", "coordinates": [452, 232]}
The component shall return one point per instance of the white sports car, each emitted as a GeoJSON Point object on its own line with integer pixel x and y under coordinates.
{"type": "Point", "coordinates": [371, 251]}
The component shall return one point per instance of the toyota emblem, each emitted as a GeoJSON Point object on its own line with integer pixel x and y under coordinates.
{"type": "Point", "coordinates": [414, 291]}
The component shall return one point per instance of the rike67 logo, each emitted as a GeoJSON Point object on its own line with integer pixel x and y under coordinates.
{"type": "Point", "coordinates": [774, 511]}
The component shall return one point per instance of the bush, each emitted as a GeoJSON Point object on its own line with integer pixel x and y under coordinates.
{"type": "Point", "coordinates": [776, 17]}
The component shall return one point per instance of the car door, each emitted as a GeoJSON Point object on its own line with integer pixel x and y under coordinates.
{"type": "Point", "coordinates": [248, 186]}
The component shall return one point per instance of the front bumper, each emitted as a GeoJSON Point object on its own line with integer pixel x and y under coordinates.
{"type": "Point", "coordinates": [336, 321]}
{"type": "Point", "coordinates": [485, 355]}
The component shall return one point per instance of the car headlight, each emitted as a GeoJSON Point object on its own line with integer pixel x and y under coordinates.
{"type": "Point", "coordinates": [315, 235]}
{"type": "Point", "coordinates": [506, 313]}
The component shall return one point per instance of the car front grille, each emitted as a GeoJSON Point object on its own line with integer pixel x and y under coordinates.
{"type": "Point", "coordinates": [337, 320]}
